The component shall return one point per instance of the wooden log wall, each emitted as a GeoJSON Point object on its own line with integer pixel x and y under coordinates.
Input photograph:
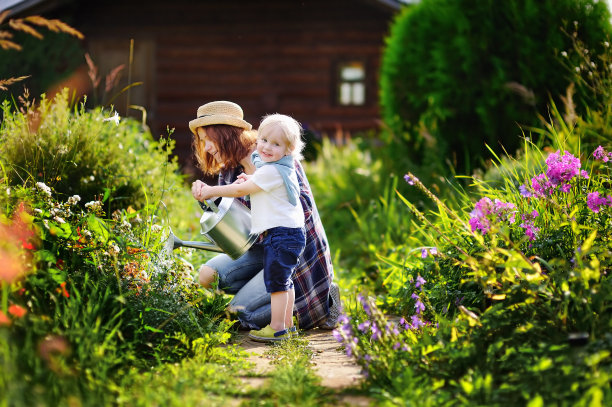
{"type": "Point", "coordinates": [268, 56]}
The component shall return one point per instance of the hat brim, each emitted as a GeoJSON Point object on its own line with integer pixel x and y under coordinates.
{"type": "Point", "coordinates": [218, 119]}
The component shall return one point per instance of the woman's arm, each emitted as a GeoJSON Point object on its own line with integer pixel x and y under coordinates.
{"type": "Point", "coordinates": [202, 191]}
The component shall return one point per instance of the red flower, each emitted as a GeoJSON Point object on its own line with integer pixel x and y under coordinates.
{"type": "Point", "coordinates": [63, 290]}
{"type": "Point", "coordinates": [11, 265]}
{"type": "Point", "coordinates": [4, 319]}
{"type": "Point", "coordinates": [17, 311]}
{"type": "Point", "coordinates": [21, 227]}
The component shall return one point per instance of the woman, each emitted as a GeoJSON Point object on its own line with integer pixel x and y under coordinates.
{"type": "Point", "coordinates": [223, 143]}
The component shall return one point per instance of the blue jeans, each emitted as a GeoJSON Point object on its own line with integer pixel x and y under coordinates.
{"type": "Point", "coordinates": [282, 250]}
{"type": "Point", "coordinates": [244, 278]}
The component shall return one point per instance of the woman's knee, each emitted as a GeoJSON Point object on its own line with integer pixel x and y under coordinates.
{"type": "Point", "coordinates": [206, 276]}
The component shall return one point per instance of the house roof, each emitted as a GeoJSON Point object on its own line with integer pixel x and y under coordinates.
{"type": "Point", "coordinates": [18, 6]}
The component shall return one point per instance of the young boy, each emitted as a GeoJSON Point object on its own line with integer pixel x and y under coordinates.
{"type": "Point", "coordinates": [276, 214]}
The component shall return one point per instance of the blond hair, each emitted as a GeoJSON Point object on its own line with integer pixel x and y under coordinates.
{"type": "Point", "coordinates": [291, 130]}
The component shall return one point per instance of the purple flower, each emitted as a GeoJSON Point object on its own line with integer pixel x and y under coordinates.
{"type": "Point", "coordinates": [530, 229]}
{"type": "Point", "coordinates": [416, 322]}
{"type": "Point", "coordinates": [485, 211]}
{"type": "Point", "coordinates": [364, 303]}
{"type": "Point", "coordinates": [525, 192]}
{"type": "Point", "coordinates": [433, 251]}
{"type": "Point", "coordinates": [419, 307]}
{"type": "Point", "coordinates": [423, 253]}
{"type": "Point", "coordinates": [601, 154]}
{"type": "Point", "coordinates": [541, 185]}
{"type": "Point", "coordinates": [375, 332]}
{"type": "Point", "coordinates": [397, 345]}
{"type": "Point", "coordinates": [419, 281]}
{"type": "Point", "coordinates": [414, 296]}
{"type": "Point", "coordinates": [562, 168]}
{"type": "Point", "coordinates": [363, 327]}
{"type": "Point", "coordinates": [595, 202]}
{"type": "Point", "coordinates": [409, 178]}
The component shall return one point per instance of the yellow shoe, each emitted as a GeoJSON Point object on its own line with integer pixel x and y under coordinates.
{"type": "Point", "coordinates": [268, 334]}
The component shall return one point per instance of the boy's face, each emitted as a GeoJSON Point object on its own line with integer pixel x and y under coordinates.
{"type": "Point", "coordinates": [271, 145]}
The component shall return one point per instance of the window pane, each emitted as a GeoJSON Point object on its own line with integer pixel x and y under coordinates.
{"type": "Point", "coordinates": [345, 94]}
{"type": "Point", "coordinates": [352, 72]}
{"type": "Point", "coordinates": [358, 93]}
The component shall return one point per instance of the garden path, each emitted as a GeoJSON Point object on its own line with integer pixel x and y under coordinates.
{"type": "Point", "coordinates": [337, 371]}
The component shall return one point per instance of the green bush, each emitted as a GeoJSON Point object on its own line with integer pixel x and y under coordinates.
{"type": "Point", "coordinates": [506, 305]}
{"type": "Point", "coordinates": [94, 154]}
{"type": "Point", "coordinates": [88, 294]}
{"type": "Point", "coordinates": [90, 298]}
{"type": "Point", "coordinates": [458, 74]}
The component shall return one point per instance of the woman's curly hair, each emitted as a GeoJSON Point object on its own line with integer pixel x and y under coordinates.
{"type": "Point", "coordinates": [233, 144]}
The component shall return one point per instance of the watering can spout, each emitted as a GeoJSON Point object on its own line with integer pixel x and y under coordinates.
{"type": "Point", "coordinates": [227, 225]}
{"type": "Point", "coordinates": [174, 242]}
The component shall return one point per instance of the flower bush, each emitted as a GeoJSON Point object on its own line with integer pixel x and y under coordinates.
{"type": "Point", "coordinates": [89, 291]}
{"type": "Point", "coordinates": [508, 303]}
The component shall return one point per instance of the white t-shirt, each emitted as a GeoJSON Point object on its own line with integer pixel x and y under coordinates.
{"type": "Point", "coordinates": [271, 207]}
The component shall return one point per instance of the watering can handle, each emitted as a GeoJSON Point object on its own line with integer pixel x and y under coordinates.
{"type": "Point", "coordinates": [211, 204]}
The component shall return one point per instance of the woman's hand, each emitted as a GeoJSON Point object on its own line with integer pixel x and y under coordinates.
{"type": "Point", "coordinates": [201, 191]}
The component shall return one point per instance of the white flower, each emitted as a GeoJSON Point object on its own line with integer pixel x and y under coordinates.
{"type": "Point", "coordinates": [74, 199]}
{"type": "Point", "coordinates": [114, 118]}
{"type": "Point", "coordinates": [44, 188]}
{"type": "Point", "coordinates": [59, 220]}
{"type": "Point", "coordinates": [114, 249]}
{"type": "Point", "coordinates": [564, 53]}
{"type": "Point", "coordinates": [156, 228]}
{"type": "Point", "coordinates": [93, 205]}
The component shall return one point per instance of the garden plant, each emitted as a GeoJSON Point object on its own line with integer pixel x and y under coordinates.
{"type": "Point", "coordinates": [502, 296]}
{"type": "Point", "coordinates": [485, 289]}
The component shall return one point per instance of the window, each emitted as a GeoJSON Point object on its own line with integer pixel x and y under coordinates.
{"type": "Point", "coordinates": [351, 84]}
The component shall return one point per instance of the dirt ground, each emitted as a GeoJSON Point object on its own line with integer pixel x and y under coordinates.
{"type": "Point", "coordinates": [337, 371]}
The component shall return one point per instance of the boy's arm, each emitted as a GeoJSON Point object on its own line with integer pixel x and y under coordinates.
{"type": "Point", "coordinates": [202, 191]}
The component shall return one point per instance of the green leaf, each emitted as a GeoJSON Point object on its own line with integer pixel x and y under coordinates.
{"type": "Point", "coordinates": [98, 227]}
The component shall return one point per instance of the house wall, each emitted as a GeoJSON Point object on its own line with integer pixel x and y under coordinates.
{"type": "Point", "coordinates": [268, 56]}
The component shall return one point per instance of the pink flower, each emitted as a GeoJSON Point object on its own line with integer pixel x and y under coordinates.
{"type": "Point", "coordinates": [595, 202]}
{"type": "Point", "coordinates": [562, 168]}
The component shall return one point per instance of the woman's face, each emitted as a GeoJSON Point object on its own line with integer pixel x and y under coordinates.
{"type": "Point", "coordinates": [209, 146]}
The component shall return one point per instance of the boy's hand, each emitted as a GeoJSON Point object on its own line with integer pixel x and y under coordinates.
{"type": "Point", "coordinates": [201, 191]}
{"type": "Point", "coordinates": [242, 178]}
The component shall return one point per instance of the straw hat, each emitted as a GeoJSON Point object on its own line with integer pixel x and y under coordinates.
{"type": "Point", "coordinates": [219, 112]}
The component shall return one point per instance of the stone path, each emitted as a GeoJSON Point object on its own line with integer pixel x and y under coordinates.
{"type": "Point", "coordinates": [337, 371]}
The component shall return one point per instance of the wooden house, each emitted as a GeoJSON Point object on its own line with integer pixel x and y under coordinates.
{"type": "Point", "coordinates": [316, 60]}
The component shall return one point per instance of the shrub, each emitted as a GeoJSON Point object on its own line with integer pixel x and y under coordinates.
{"type": "Point", "coordinates": [507, 305]}
{"type": "Point", "coordinates": [91, 153]}
{"type": "Point", "coordinates": [458, 74]}
{"type": "Point", "coordinates": [91, 298]}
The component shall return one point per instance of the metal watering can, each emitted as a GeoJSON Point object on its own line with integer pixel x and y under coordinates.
{"type": "Point", "coordinates": [226, 224]}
